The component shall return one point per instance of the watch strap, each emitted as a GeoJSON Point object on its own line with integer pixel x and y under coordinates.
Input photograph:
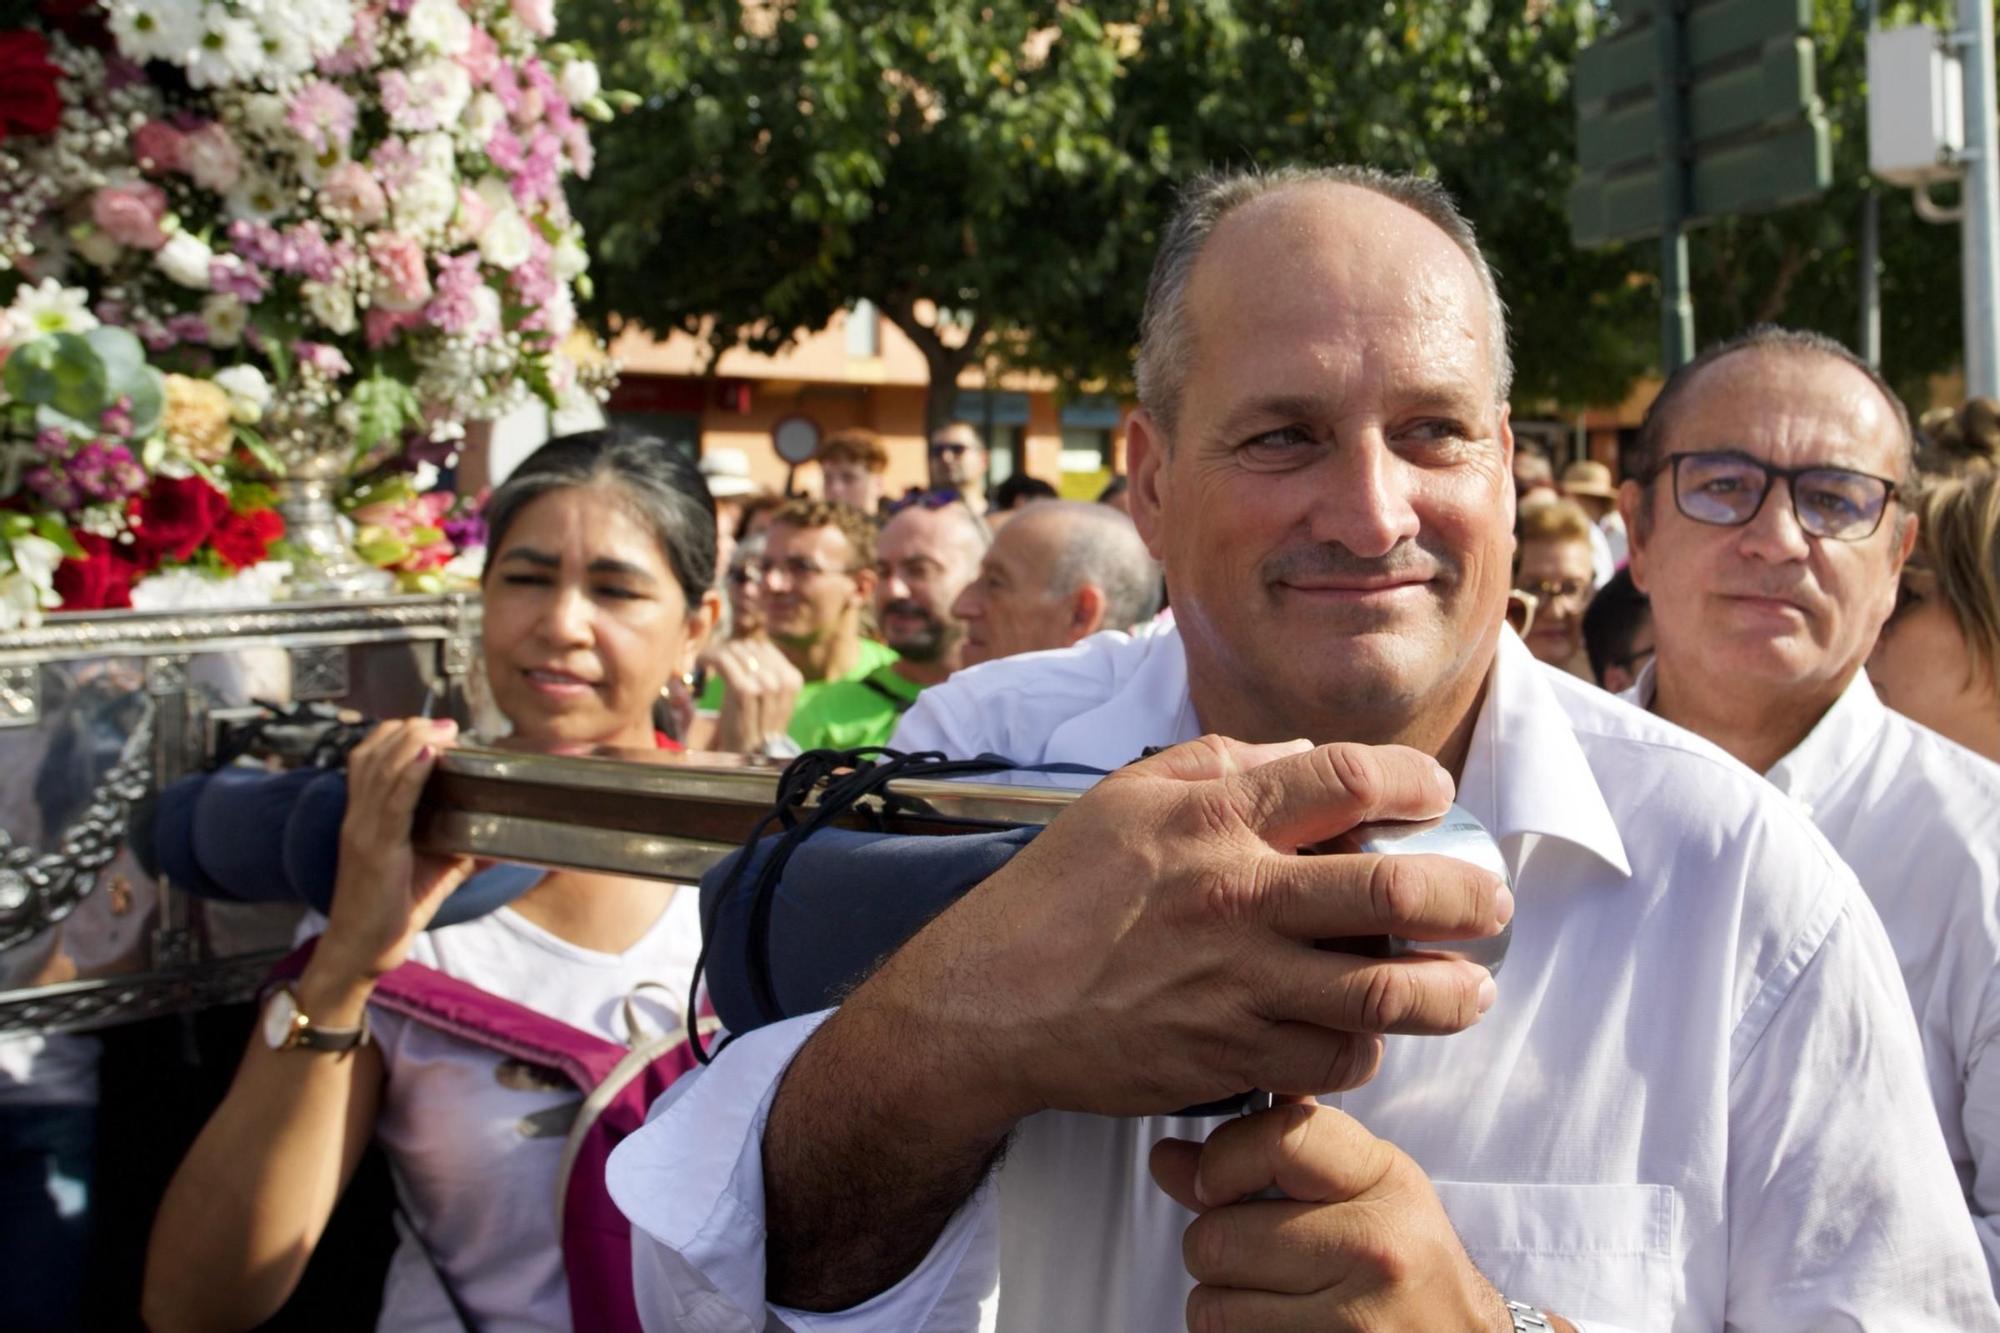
{"type": "Point", "coordinates": [307, 1035]}
{"type": "Point", "coordinates": [1527, 1319]}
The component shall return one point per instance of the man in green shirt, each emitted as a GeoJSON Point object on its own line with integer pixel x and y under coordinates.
{"type": "Point", "coordinates": [818, 576]}
{"type": "Point", "coordinates": [924, 558]}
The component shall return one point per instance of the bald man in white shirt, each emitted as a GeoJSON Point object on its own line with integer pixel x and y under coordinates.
{"type": "Point", "coordinates": [1693, 1101]}
{"type": "Point", "coordinates": [1768, 525]}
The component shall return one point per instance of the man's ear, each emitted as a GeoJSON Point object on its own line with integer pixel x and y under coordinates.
{"type": "Point", "coordinates": [864, 587]}
{"type": "Point", "coordinates": [1145, 462]}
{"type": "Point", "coordinates": [1632, 499]}
{"type": "Point", "coordinates": [1086, 613]}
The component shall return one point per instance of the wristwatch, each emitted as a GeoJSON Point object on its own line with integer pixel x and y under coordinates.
{"type": "Point", "coordinates": [1527, 1319]}
{"type": "Point", "coordinates": [286, 1026]}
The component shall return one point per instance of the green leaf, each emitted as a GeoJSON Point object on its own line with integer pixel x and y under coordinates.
{"type": "Point", "coordinates": [50, 528]}
{"type": "Point", "coordinates": [148, 394]}
{"type": "Point", "coordinates": [384, 407]}
{"type": "Point", "coordinates": [123, 355]}
{"type": "Point", "coordinates": [15, 525]}
{"type": "Point", "coordinates": [60, 371]}
{"type": "Point", "coordinates": [260, 449]}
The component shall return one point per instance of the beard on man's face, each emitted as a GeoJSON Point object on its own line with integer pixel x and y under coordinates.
{"type": "Point", "coordinates": [925, 642]}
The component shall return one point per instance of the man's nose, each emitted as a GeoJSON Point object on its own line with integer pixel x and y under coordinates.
{"type": "Point", "coordinates": [1361, 497]}
{"type": "Point", "coordinates": [966, 606]}
{"type": "Point", "coordinates": [1773, 532]}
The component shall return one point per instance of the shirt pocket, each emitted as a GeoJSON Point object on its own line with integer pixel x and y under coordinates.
{"type": "Point", "coordinates": [1588, 1252]}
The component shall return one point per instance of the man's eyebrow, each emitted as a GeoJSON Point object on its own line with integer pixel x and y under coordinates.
{"type": "Point", "coordinates": [1272, 407]}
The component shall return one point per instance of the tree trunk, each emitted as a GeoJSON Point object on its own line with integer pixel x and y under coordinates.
{"type": "Point", "coordinates": [944, 361]}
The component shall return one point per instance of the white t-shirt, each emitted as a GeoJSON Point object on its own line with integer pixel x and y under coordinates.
{"type": "Point", "coordinates": [1698, 1104]}
{"type": "Point", "coordinates": [475, 1147]}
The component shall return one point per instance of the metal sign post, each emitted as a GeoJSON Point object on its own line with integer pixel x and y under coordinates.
{"type": "Point", "coordinates": [1981, 224]}
{"type": "Point", "coordinates": [1690, 111]}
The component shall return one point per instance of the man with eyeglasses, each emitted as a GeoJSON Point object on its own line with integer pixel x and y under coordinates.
{"type": "Point", "coordinates": [1768, 528]}
{"type": "Point", "coordinates": [818, 576]}
{"type": "Point", "coordinates": [958, 464]}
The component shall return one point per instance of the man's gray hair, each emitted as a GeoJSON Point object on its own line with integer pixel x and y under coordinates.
{"type": "Point", "coordinates": [1166, 341]}
{"type": "Point", "coordinates": [1101, 547]}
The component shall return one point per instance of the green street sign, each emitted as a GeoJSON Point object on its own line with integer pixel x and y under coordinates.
{"type": "Point", "coordinates": [1741, 128]}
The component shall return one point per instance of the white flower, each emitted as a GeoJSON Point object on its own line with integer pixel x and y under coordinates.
{"type": "Point", "coordinates": [257, 197]}
{"type": "Point", "coordinates": [287, 46]}
{"type": "Point", "coordinates": [580, 82]}
{"type": "Point", "coordinates": [505, 242]}
{"type": "Point", "coordinates": [37, 558]}
{"type": "Point", "coordinates": [439, 90]}
{"type": "Point", "coordinates": [324, 24]}
{"type": "Point", "coordinates": [230, 50]}
{"type": "Point", "coordinates": [186, 259]}
{"type": "Point", "coordinates": [226, 317]}
{"type": "Point", "coordinates": [425, 203]}
{"type": "Point", "coordinates": [560, 314]}
{"type": "Point", "coordinates": [569, 259]}
{"type": "Point", "coordinates": [264, 114]}
{"type": "Point", "coordinates": [494, 192]}
{"type": "Point", "coordinates": [332, 304]}
{"type": "Point", "coordinates": [157, 29]}
{"type": "Point", "coordinates": [484, 114]}
{"type": "Point", "coordinates": [20, 602]}
{"type": "Point", "coordinates": [94, 245]}
{"type": "Point", "coordinates": [486, 322]}
{"type": "Point", "coordinates": [439, 26]}
{"type": "Point", "coordinates": [249, 392]}
{"type": "Point", "coordinates": [435, 152]}
{"type": "Point", "coordinates": [45, 308]}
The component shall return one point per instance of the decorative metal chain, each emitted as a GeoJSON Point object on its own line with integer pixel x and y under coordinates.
{"type": "Point", "coordinates": [39, 889]}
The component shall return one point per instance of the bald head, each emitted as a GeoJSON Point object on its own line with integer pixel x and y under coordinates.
{"type": "Point", "coordinates": [1056, 573]}
{"type": "Point", "coordinates": [923, 560]}
{"type": "Point", "coordinates": [1418, 214]}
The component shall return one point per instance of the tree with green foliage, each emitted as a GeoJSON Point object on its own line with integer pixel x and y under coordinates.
{"type": "Point", "coordinates": [994, 178]}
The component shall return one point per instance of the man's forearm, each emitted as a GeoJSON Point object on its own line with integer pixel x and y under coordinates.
{"type": "Point", "coordinates": [874, 1141]}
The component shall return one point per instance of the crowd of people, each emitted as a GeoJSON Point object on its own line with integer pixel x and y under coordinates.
{"type": "Point", "coordinates": [1729, 711]}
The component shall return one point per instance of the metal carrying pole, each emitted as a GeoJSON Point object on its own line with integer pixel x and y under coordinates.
{"type": "Point", "coordinates": [1676, 302]}
{"type": "Point", "coordinates": [1869, 345]}
{"type": "Point", "coordinates": [1981, 225]}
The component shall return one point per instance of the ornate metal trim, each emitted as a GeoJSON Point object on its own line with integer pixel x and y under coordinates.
{"type": "Point", "coordinates": [38, 889]}
{"type": "Point", "coordinates": [20, 695]}
{"type": "Point", "coordinates": [147, 633]}
{"type": "Point", "coordinates": [80, 1005]}
{"type": "Point", "coordinates": [319, 672]}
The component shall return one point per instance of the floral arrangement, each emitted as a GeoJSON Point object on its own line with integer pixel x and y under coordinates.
{"type": "Point", "coordinates": [114, 471]}
{"type": "Point", "coordinates": [325, 223]}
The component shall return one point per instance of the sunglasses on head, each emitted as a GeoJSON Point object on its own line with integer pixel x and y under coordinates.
{"type": "Point", "coordinates": [924, 500]}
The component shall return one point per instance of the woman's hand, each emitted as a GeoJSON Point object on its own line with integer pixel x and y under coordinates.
{"type": "Point", "coordinates": [386, 891]}
{"type": "Point", "coordinates": [760, 689]}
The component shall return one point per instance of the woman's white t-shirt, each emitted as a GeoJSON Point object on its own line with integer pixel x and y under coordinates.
{"type": "Point", "coordinates": [475, 1141]}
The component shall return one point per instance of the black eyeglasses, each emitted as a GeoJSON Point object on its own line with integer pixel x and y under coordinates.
{"type": "Point", "coordinates": [947, 450]}
{"type": "Point", "coordinates": [1727, 489]}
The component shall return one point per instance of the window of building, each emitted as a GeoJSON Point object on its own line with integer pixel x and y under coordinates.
{"type": "Point", "coordinates": [864, 330]}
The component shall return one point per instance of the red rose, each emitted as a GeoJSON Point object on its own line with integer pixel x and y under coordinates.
{"type": "Point", "coordinates": [101, 581]}
{"type": "Point", "coordinates": [244, 539]}
{"type": "Point", "coordinates": [29, 100]}
{"type": "Point", "coordinates": [175, 517]}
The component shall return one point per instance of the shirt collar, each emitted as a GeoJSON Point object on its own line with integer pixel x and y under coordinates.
{"type": "Point", "coordinates": [1848, 733]}
{"type": "Point", "coordinates": [1525, 772]}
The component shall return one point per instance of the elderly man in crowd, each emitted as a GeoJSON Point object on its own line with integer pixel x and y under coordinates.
{"type": "Point", "coordinates": [1552, 564]}
{"type": "Point", "coordinates": [1694, 1100]}
{"type": "Point", "coordinates": [925, 556]}
{"type": "Point", "coordinates": [818, 577]}
{"type": "Point", "coordinates": [1769, 527]}
{"type": "Point", "coordinates": [1056, 574]}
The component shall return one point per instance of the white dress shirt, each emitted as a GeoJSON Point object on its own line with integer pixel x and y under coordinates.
{"type": "Point", "coordinates": [1914, 815]}
{"type": "Point", "coordinates": [1697, 1105]}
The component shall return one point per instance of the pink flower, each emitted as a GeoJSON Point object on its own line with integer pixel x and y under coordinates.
{"type": "Point", "coordinates": [188, 329]}
{"type": "Point", "coordinates": [454, 309]}
{"type": "Point", "coordinates": [308, 253]}
{"type": "Point", "coordinates": [473, 214]}
{"type": "Point", "coordinates": [327, 360]}
{"type": "Point", "coordinates": [540, 173]}
{"type": "Point", "coordinates": [582, 153]}
{"type": "Point", "coordinates": [231, 275]}
{"type": "Point", "coordinates": [352, 192]}
{"type": "Point", "coordinates": [156, 146]}
{"type": "Point", "coordinates": [537, 16]}
{"type": "Point", "coordinates": [361, 51]}
{"type": "Point", "coordinates": [481, 58]}
{"type": "Point", "coordinates": [381, 326]}
{"type": "Point", "coordinates": [402, 282]}
{"type": "Point", "coordinates": [130, 214]}
{"type": "Point", "coordinates": [323, 116]}
{"type": "Point", "coordinates": [212, 158]}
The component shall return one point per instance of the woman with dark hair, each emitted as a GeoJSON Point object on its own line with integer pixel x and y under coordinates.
{"type": "Point", "coordinates": [598, 590]}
